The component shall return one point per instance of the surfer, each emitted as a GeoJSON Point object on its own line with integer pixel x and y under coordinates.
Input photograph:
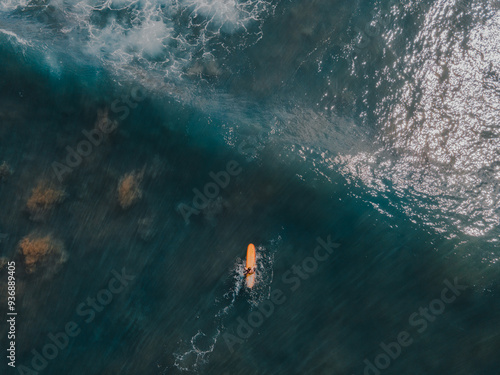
{"type": "Point", "coordinates": [249, 271]}
{"type": "Point", "coordinates": [250, 266]}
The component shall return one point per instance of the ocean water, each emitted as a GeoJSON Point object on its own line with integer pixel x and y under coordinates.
{"type": "Point", "coordinates": [355, 143]}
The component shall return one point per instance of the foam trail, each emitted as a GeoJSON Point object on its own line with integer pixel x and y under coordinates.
{"type": "Point", "coordinates": [194, 357]}
{"type": "Point", "coordinates": [166, 37]}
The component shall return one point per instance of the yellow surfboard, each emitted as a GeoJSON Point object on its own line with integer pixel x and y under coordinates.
{"type": "Point", "coordinates": [250, 277]}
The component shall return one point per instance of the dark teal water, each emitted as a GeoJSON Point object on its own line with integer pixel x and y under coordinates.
{"type": "Point", "coordinates": [370, 125]}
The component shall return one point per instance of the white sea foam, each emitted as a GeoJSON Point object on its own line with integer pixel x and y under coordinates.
{"type": "Point", "coordinates": [197, 353]}
{"type": "Point", "coordinates": [18, 39]}
{"type": "Point", "coordinates": [161, 37]}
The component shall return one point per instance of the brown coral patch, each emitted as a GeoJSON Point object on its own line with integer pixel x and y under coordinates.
{"type": "Point", "coordinates": [129, 189]}
{"type": "Point", "coordinates": [37, 250]}
{"type": "Point", "coordinates": [43, 198]}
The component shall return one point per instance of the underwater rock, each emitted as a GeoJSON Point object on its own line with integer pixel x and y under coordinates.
{"type": "Point", "coordinates": [146, 229]}
{"type": "Point", "coordinates": [157, 167]}
{"type": "Point", "coordinates": [129, 190]}
{"type": "Point", "coordinates": [37, 250]}
{"type": "Point", "coordinates": [5, 171]}
{"type": "Point", "coordinates": [205, 68]}
{"type": "Point", "coordinates": [42, 200]}
{"type": "Point", "coordinates": [3, 262]}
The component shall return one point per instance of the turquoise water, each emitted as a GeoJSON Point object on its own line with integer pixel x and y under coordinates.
{"type": "Point", "coordinates": [354, 143]}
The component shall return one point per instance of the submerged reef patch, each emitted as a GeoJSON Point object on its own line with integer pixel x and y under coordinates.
{"type": "Point", "coordinates": [5, 171]}
{"type": "Point", "coordinates": [41, 250]}
{"type": "Point", "coordinates": [43, 199]}
{"type": "Point", "coordinates": [129, 189]}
